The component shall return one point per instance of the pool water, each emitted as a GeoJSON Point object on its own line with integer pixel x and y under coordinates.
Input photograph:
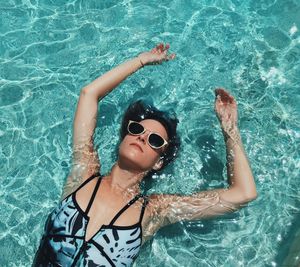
{"type": "Point", "coordinates": [50, 49]}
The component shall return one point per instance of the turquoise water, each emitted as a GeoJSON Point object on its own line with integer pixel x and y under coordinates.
{"type": "Point", "coordinates": [50, 49]}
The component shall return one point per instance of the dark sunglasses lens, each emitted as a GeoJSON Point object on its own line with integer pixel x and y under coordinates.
{"type": "Point", "coordinates": [155, 140]}
{"type": "Point", "coordinates": [135, 128]}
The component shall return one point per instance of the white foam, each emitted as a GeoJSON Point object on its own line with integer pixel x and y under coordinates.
{"type": "Point", "coordinates": [274, 77]}
{"type": "Point", "coordinates": [293, 30]}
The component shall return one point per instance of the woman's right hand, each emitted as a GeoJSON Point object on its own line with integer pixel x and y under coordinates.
{"type": "Point", "coordinates": [156, 56]}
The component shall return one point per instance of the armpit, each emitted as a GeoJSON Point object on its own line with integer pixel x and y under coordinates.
{"type": "Point", "coordinates": [169, 209]}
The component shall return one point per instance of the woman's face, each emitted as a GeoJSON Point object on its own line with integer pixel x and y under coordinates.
{"type": "Point", "coordinates": [135, 152]}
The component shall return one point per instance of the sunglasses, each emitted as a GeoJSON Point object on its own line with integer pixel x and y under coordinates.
{"type": "Point", "coordinates": [154, 140]}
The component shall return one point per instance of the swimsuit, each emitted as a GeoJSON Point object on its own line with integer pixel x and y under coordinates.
{"type": "Point", "coordinates": [64, 244]}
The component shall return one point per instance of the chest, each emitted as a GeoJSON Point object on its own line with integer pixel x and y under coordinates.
{"type": "Point", "coordinates": [104, 209]}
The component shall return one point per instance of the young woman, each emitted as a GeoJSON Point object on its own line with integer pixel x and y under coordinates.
{"type": "Point", "coordinates": [102, 220]}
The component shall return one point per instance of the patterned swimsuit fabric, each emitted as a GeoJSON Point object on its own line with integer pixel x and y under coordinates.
{"type": "Point", "coordinates": [64, 244]}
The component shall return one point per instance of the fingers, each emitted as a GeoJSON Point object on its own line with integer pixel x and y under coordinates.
{"type": "Point", "coordinates": [160, 53]}
{"type": "Point", "coordinates": [157, 49]}
{"type": "Point", "coordinates": [161, 48]}
{"type": "Point", "coordinates": [225, 97]}
{"type": "Point", "coordinates": [170, 57]}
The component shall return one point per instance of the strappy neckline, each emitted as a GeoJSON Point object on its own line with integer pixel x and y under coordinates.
{"type": "Point", "coordinates": [111, 224]}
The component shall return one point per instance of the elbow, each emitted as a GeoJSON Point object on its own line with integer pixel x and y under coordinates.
{"type": "Point", "coordinates": [84, 91]}
{"type": "Point", "coordinates": [91, 92]}
{"type": "Point", "coordinates": [88, 92]}
{"type": "Point", "coordinates": [250, 196]}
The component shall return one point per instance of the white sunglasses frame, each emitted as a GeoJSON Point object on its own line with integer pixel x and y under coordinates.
{"type": "Point", "coordinates": [150, 132]}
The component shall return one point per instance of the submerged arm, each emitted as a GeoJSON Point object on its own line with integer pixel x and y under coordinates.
{"type": "Point", "coordinates": [85, 158]}
{"type": "Point", "coordinates": [167, 209]}
{"type": "Point", "coordinates": [211, 203]}
{"type": "Point", "coordinates": [108, 81]}
{"type": "Point", "coordinates": [242, 185]}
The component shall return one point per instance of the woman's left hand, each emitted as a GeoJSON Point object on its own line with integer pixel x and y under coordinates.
{"type": "Point", "coordinates": [226, 111]}
{"type": "Point", "coordinates": [157, 55]}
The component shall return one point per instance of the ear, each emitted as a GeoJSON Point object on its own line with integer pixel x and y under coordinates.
{"type": "Point", "coordinates": [157, 166]}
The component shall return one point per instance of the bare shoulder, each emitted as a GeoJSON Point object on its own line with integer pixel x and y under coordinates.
{"type": "Point", "coordinates": [157, 203]}
{"type": "Point", "coordinates": [155, 217]}
{"type": "Point", "coordinates": [74, 180]}
{"type": "Point", "coordinates": [70, 186]}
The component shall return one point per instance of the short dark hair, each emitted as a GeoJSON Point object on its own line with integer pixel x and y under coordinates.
{"type": "Point", "coordinates": [143, 109]}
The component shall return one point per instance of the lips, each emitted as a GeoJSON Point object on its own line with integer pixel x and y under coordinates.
{"type": "Point", "coordinates": [134, 144]}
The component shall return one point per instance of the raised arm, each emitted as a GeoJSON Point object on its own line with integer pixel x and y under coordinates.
{"type": "Point", "coordinates": [85, 158]}
{"type": "Point", "coordinates": [167, 209]}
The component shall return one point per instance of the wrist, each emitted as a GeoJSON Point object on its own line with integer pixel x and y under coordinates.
{"type": "Point", "coordinates": [231, 134]}
{"type": "Point", "coordinates": [141, 61]}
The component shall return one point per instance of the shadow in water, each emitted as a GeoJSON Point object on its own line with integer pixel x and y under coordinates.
{"type": "Point", "coordinates": [212, 165]}
{"type": "Point", "coordinates": [290, 245]}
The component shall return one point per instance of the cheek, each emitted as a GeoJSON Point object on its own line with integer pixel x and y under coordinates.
{"type": "Point", "coordinates": [149, 155]}
{"type": "Point", "coordinates": [123, 145]}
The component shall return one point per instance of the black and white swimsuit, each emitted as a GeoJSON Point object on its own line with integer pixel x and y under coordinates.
{"type": "Point", "coordinates": [64, 244]}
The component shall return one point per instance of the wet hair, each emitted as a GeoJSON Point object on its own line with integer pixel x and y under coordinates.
{"type": "Point", "coordinates": [144, 109]}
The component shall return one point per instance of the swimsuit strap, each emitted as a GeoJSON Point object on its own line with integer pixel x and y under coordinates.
{"type": "Point", "coordinates": [125, 208]}
{"type": "Point", "coordinates": [87, 180]}
{"type": "Point", "coordinates": [93, 195]}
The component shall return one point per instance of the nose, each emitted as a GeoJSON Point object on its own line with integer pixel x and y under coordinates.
{"type": "Point", "coordinates": [143, 137]}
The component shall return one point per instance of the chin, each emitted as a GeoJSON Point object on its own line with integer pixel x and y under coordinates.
{"type": "Point", "coordinates": [132, 160]}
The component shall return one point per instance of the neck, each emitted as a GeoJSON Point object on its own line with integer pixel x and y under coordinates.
{"type": "Point", "coordinates": [125, 180]}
